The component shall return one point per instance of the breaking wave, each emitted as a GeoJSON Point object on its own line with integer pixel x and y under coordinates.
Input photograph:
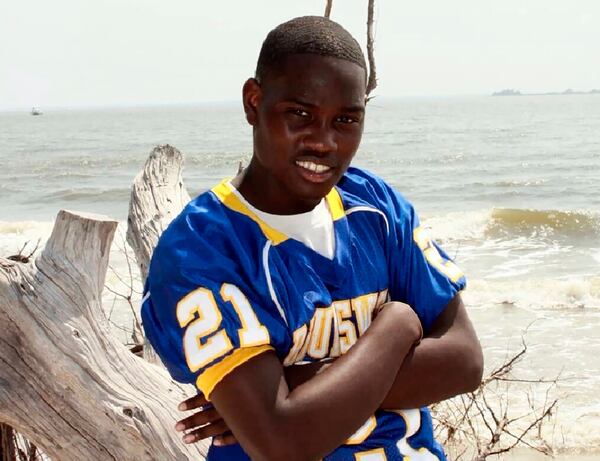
{"type": "Point", "coordinates": [576, 292]}
{"type": "Point", "coordinates": [511, 221]}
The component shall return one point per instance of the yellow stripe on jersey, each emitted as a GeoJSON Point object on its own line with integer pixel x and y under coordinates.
{"type": "Point", "coordinates": [230, 200]}
{"type": "Point", "coordinates": [422, 237]}
{"type": "Point", "coordinates": [363, 432]}
{"type": "Point", "coordinates": [212, 376]}
{"type": "Point", "coordinates": [336, 207]}
{"type": "Point", "coordinates": [377, 454]}
{"type": "Point", "coordinates": [226, 195]}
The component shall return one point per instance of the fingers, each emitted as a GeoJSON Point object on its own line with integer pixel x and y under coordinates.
{"type": "Point", "coordinates": [225, 439]}
{"type": "Point", "coordinates": [192, 403]}
{"type": "Point", "coordinates": [200, 418]}
{"type": "Point", "coordinates": [203, 424]}
{"type": "Point", "coordinates": [216, 428]}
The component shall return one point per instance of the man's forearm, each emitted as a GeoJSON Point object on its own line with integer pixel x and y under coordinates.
{"type": "Point", "coordinates": [434, 371]}
{"type": "Point", "coordinates": [313, 419]}
{"type": "Point", "coordinates": [447, 363]}
{"type": "Point", "coordinates": [437, 369]}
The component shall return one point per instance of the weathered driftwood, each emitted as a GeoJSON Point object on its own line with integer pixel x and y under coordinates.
{"type": "Point", "coordinates": [65, 382]}
{"type": "Point", "coordinates": [157, 196]}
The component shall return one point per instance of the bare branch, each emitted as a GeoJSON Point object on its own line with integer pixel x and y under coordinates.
{"type": "Point", "coordinates": [128, 283]}
{"type": "Point", "coordinates": [372, 83]}
{"type": "Point", "coordinates": [328, 9]}
{"type": "Point", "coordinates": [37, 245]}
{"type": "Point", "coordinates": [483, 423]}
{"type": "Point", "coordinates": [506, 367]}
{"type": "Point", "coordinates": [524, 432]}
{"type": "Point", "coordinates": [21, 257]}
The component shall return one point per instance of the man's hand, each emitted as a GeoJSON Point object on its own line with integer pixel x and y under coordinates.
{"type": "Point", "coordinates": [206, 422]}
{"type": "Point", "coordinates": [271, 421]}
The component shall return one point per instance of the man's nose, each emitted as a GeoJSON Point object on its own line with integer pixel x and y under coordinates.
{"type": "Point", "coordinates": [321, 138]}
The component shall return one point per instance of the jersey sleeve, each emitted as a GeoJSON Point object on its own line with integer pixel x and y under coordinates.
{"type": "Point", "coordinates": [205, 312]}
{"type": "Point", "coordinates": [421, 273]}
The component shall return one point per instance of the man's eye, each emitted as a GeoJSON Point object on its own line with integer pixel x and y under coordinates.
{"type": "Point", "coordinates": [299, 112]}
{"type": "Point", "coordinates": [347, 119]}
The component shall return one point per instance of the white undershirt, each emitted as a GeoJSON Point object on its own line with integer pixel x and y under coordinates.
{"type": "Point", "coordinates": [313, 228]}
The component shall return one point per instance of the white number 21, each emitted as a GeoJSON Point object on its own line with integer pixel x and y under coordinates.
{"type": "Point", "coordinates": [199, 314]}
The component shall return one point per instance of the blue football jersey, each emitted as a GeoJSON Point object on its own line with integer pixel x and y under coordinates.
{"type": "Point", "coordinates": [224, 286]}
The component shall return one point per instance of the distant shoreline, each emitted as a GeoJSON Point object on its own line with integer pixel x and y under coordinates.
{"type": "Point", "coordinates": [568, 92]}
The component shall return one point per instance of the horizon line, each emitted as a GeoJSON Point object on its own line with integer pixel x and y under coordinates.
{"type": "Point", "coordinates": [158, 104]}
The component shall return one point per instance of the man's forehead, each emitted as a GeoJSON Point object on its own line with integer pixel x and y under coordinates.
{"type": "Point", "coordinates": [304, 75]}
{"type": "Point", "coordinates": [311, 63]}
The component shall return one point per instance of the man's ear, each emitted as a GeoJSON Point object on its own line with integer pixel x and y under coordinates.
{"type": "Point", "coordinates": [251, 94]}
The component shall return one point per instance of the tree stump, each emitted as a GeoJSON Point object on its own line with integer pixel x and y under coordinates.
{"type": "Point", "coordinates": [158, 195]}
{"type": "Point", "coordinates": [65, 382]}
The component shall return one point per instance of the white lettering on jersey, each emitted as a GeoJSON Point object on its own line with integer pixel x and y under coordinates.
{"type": "Point", "coordinates": [334, 329]}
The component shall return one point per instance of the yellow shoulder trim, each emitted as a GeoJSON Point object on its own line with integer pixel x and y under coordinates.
{"type": "Point", "coordinates": [336, 207]}
{"type": "Point", "coordinates": [212, 376]}
{"type": "Point", "coordinates": [230, 200]}
{"type": "Point", "coordinates": [422, 237]}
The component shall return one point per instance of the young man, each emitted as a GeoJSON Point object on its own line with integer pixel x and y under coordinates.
{"type": "Point", "coordinates": [296, 295]}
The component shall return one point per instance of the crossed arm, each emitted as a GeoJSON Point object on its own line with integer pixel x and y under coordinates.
{"type": "Point", "coordinates": [306, 411]}
{"type": "Point", "coordinates": [447, 362]}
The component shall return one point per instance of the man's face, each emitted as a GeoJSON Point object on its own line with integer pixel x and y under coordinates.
{"type": "Point", "coordinates": [308, 121]}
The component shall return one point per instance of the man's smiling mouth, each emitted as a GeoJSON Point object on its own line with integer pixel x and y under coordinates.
{"type": "Point", "coordinates": [314, 167]}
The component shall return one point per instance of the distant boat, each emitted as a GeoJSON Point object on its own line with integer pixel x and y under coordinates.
{"type": "Point", "coordinates": [507, 92]}
{"type": "Point", "coordinates": [36, 111]}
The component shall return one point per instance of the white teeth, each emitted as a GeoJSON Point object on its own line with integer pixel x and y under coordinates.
{"type": "Point", "coordinates": [314, 167]}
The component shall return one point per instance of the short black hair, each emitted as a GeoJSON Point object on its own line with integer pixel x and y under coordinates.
{"type": "Point", "coordinates": [307, 34]}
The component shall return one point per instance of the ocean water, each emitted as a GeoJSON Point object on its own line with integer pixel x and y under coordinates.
{"type": "Point", "coordinates": [509, 185]}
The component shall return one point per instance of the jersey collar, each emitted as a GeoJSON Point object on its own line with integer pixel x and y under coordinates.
{"type": "Point", "coordinates": [225, 193]}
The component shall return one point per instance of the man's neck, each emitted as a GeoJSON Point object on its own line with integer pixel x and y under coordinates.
{"type": "Point", "coordinates": [265, 194]}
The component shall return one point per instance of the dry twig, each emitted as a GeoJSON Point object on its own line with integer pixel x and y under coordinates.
{"type": "Point", "coordinates": [483, 423]}
{"type": "Point", "coordinates": [23, 258]}
{"type": "Point", "coordinates": [128, 281]}
{"type": "Point", "coordinates": [372, 83]}
{"type": "Point", "coordinates": [328, 8]}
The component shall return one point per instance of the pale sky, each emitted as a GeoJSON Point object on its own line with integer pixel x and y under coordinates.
{"type": "Point", "coordinates": [77, 53]}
